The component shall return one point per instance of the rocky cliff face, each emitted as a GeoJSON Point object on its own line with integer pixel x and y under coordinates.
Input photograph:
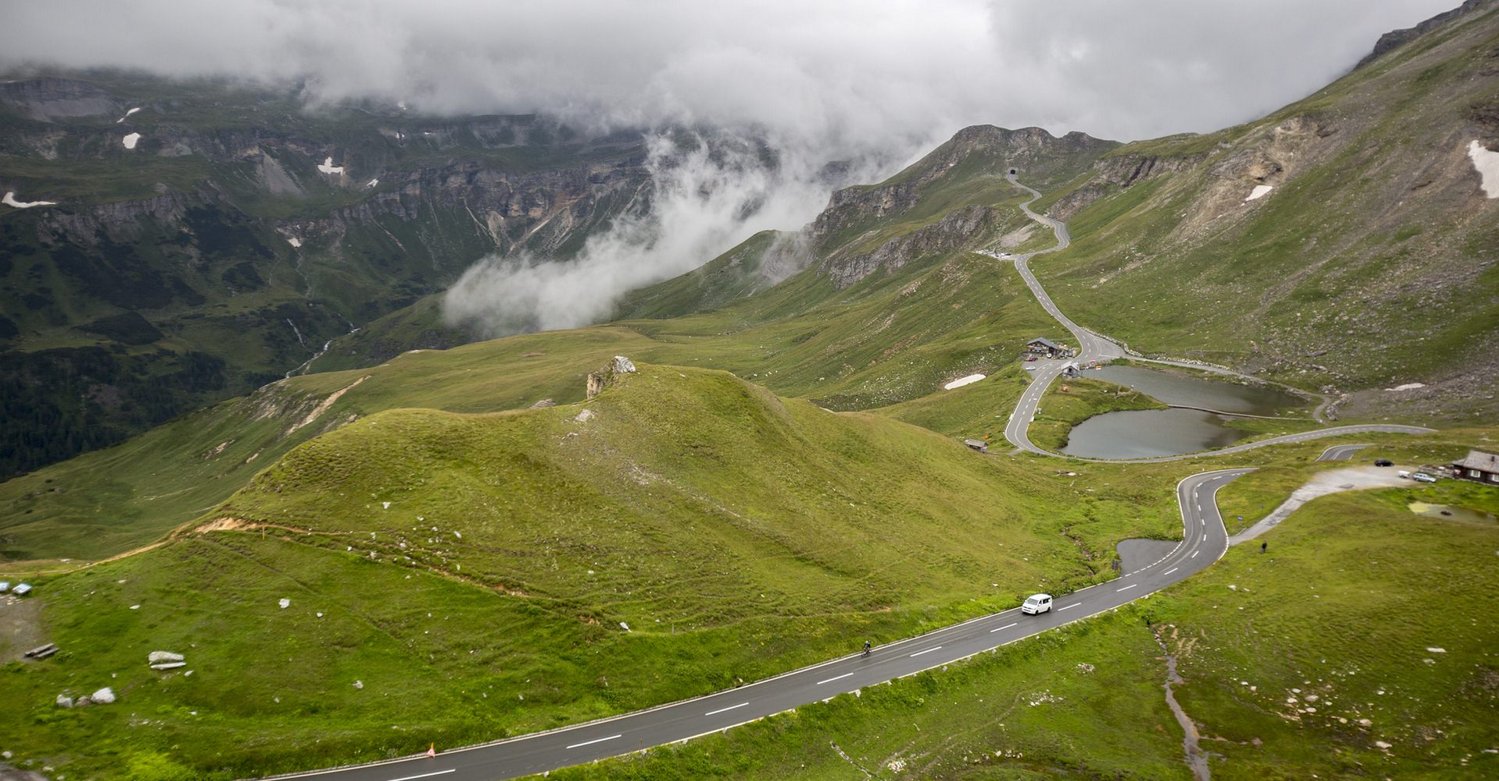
{"type": "Point", "coordinates": [1394, 39]}
{"type": "Point", "coordinates": [232, 225]}
{"type": "Point", "coordinates": [854, 235]}
{"type": "Point", "coordinates": [1115, 173]}
{"type": "Point", "coordinates": [966, 227]}
{"type": "Point", "coordinates": [49, 99]}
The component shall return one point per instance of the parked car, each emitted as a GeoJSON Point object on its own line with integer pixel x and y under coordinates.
{"type": "Point", "coordinates": [1036, 604]}
{"type": "Point", "coordinates": [1403, 473]}
{"type": "Point", "coordinates": [1422, 477]}
{"type": "Point", "coordinates": [1383, 462]}
{"type": "Point", "coordinates": [1030, 358]}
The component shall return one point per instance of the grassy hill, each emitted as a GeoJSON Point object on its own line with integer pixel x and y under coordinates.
{"type": "Point", "coordinates": [1369, 262]}
{"type": "Point", "coordinates": [513, 571]}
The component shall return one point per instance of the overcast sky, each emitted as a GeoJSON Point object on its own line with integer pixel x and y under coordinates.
{"type": "Point", "coordinates": [872, 82]}
{"type": "Point", "coordinates": [858, 73]}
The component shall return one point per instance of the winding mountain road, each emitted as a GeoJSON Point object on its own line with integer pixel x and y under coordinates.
{"type": "Point", "coordinates": [1096, 347]}
{"type": "Point", "coordinates": [1204, 541]}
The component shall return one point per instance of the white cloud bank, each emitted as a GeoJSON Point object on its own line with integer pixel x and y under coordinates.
{"type": "Point", "coordinates": [864, 81]}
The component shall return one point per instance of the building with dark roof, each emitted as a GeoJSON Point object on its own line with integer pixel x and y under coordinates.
{"type": "Point", "coordinates": [1478, 465]}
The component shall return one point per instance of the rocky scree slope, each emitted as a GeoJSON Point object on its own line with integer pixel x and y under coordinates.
{"type": "Point", "coordinates": [207, 238]}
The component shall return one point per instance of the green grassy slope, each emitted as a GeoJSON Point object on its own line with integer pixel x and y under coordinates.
{"type": "Point", "coordinates": [735, 533]}
{"type": "Point", "coordinates": [1369, 265]}
{"type": "Point", "coordinates": [1283, 656]}
{"type": "Point", "coordinates": [890, 338]}
{"type": "Point", "coordinates": [112, 500]}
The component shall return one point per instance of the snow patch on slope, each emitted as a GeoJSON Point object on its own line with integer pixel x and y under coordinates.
{"type": "Point", "coordinates": [10, 200]}
{"type": "Point", "coordinates": [1259, 191]}
{"type": "Point", "coordinates": [329, 168]}
{"type": "Point", "coordinates": [961, 381]}
{"type": "Point", "coordinates": [127, 115]}
{"type": "Point", "coordinates": [130, 140]}
{"type": "Point", "coordinates": [1486, 163]}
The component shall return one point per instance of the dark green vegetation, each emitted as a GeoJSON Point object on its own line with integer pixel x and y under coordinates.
{"type": "Point", "coordinates": [1370, 264]}
{"type": "Point", "coordinates": [1325, 657]}
{"type": "Point", "coordinates": [215, 256]}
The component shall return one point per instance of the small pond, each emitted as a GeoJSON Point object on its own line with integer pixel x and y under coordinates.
{"type": "Point", "coordinates": [1191, 391]}
{"type": "Point", "coordinates": [1170, 432]}
{"type": "Point", "coordinates": [1451, 513]}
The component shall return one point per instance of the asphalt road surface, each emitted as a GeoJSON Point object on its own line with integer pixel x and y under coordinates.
{"type": "Point", "coordinates": [1340, 452]}
{"type": "Point", "coordinates": [1204, 541]}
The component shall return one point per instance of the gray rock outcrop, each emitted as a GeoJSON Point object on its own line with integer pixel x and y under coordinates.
{"type": "Point", "coordinates": [610, 374]}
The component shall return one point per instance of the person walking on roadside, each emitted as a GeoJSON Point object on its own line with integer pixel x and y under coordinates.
{"type": "Point", "coordinates": [1263, 546]}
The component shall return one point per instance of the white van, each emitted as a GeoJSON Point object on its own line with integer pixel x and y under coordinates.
{"type": "Point", "coordinates": [1036, 604]}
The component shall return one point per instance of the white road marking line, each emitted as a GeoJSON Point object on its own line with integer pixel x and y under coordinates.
{"type": "Point", "coordinates": [591, 742]}
{"type": "Point", "coordinates": [1194, 554]}
{"type": "Point", "coordinates": [1006, 626]}
{"type": "Point", "coordinates": [426, 775]}
{"type": "Point", "coordinates": [1204, 536]}
{"type": "Point", "coordinates": [723, 710]}
{"type": "Point", "coordinates": [927, 651]}
{"type": "Point", "coordinates": [1173, 569]}
{"type": "Point", "coordinates": [1069, 607]}
{"type": "Point", "coordinates": [1126, 588]}
{"type": "Point", "coordinates": [834, 678]}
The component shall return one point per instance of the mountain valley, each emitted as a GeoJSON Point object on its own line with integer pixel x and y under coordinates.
{"type": "Point", "coordinates": [238, 429]}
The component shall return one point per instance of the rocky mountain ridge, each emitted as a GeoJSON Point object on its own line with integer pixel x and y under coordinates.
{"type": "Point", "coordinates": [853, 234]}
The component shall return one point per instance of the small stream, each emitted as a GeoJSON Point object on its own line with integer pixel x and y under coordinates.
{"type": "Point", "coordinates": [1185, 428]}
{"type": "Point", "coordinates": [1197, 759]}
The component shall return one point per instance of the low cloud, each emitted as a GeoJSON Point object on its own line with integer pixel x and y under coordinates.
{"type": "Point", "coordinates": [709, 194]}
{"type": "Point", "coordinates": [874, 82]}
